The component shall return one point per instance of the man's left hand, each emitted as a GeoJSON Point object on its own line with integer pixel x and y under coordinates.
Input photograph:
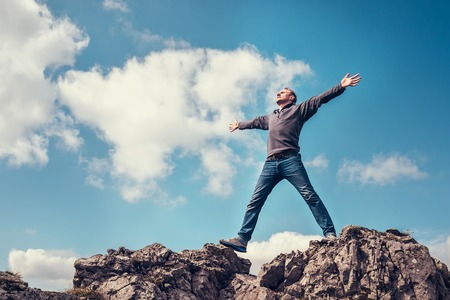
{"type": "Point", "coordinates": [350, 80]}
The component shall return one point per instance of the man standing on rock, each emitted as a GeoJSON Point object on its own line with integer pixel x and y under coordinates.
{"type": "Point", "coordinates": [283, 158]}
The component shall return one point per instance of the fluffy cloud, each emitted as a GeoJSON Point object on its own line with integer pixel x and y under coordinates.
{"type": "Point", "coordinates": [382, 170]}
{"type": "Point", "coordinates": [263, 252]}
{"type": "Point", "coordinates": [171, 101]}
{"type": "Point", "coordinates": [440, 248]}
{"type": "Point", "coordinates": [96, 169]}
{"type": "Point", "coordinates": [216, 163]}
{"type": "Point", "coordinates": [46, 269]}
{"type": "Point", "coordinates": [118, 5]}
{"type": "Point", "coordinates": [33, 43]}
{"type": "Point", "coordinates": [147, 39]}
{"type": "Point", "coordinates": [320, 161]}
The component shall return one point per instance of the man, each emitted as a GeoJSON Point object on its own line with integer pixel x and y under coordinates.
{"type": "Point", "coordinates": [284, 160]}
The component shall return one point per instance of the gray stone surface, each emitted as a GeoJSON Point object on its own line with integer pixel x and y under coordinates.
{"type": "Point", "coordinates": [12, 287]}
{"type": "Point", "coordinates": [359, 264]}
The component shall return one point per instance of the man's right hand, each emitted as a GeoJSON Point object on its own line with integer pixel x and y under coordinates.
{"type": "Point", "coordinates": [233, 126]}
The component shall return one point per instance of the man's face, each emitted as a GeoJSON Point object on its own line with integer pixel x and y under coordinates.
{"type": "Point", "coordinates": [284, 97]}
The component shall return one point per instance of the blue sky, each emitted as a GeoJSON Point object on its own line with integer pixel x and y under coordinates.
{"type": "Point", "coordinates": [114, 124]}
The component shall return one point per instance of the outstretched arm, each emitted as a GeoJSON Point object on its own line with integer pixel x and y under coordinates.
{"type": "Point", "coordinates": [350, 80]}
{"type": "Point", "coordinates": [261, 122]}
{"type": "Point", "coordinates": [233, 126]}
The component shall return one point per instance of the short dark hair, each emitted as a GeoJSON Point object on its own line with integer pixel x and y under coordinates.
{"type": "Point", "coordinates": [292, 93]}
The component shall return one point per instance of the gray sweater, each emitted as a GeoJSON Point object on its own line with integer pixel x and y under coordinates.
{"type": "Point", "coordinates": [285, 125]}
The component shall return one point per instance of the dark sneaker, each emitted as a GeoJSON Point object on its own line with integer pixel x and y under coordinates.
{"type": "Point", "coordinates": [330, 236]}
{"type": "Point", "coordinates": [235, 244]}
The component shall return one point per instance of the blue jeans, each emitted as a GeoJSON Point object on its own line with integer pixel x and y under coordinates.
{"type": "Point", "coordinates": [292, 169]}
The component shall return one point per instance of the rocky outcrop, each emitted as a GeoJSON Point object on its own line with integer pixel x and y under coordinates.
{"type": "Point", "coordinates": [360, 264]}
{"type": "Point", "coordinates": [12, 287]}
{"type": "Point", "coordinates": [156, 272]}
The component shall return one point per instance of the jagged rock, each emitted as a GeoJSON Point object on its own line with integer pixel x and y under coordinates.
{"type": "Point", "coordinates": [360, 264]}
{"type": "Point", "coordinates": [12, 287]}
{"type": "Point", "coordinates": [156, 272]}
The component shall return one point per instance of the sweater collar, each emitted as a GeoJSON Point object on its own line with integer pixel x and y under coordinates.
{"type": "Point", "coordinates": [285, 107]}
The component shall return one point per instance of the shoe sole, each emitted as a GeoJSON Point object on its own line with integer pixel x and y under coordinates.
{"type": "Point", "coordinates": [234, 247]}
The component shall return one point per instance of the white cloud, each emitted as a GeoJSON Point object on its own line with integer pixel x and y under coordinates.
{"type": "Point", "coordinates": [147, 39]}
{"type": "Point", "coordinates": [440, 249]}
{"type": "Point", "coordinates": [218, 167]}
{"type": "Point", "coordinates": [166, 200]}
{"type": "Point", "coordinates": [63, 128]}
{"type": "Point", "coordinates": [382, 170]}
{"type": "Point", "coordinates": [320, 161]}
{"type": "Point", "coordinates": [119, 5]}
{"type": "Point", "coordinates": [143, 38]}
{"type": "Point", "coordinates": [97, 168]}
{"type": "Point", "coordinates": [172, 100]}
{"type": "Point", "coordinates": [45, 269]}
{"type": "Point", "coordinates": [32, 41]}
{"type": "Point", "coordinates": [263, 252]}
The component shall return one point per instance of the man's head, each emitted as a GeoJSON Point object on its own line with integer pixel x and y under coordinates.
{"type": "Point", "coordinates": [286, 96]}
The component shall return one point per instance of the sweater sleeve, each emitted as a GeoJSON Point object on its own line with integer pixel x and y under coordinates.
{"type": "Point", "coordinates": [256, 123]}
{"type": "Point", "coordinates": [310, 107]}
